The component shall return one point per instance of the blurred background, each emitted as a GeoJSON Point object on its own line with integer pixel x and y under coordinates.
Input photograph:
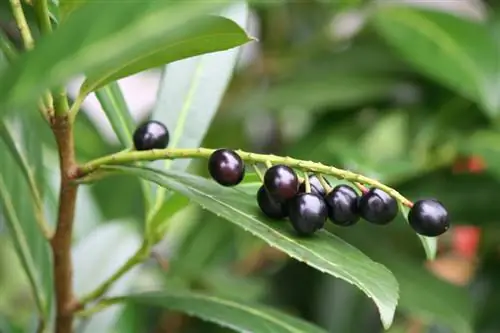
{"type": "Point", "coordinates": [324, 84]}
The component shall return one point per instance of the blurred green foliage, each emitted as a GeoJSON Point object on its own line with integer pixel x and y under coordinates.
{"type": "Point", "coordinates": [398, 93]}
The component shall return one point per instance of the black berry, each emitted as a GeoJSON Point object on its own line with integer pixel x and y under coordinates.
{"type": "Point", "coordinates": [307, 213]}
{"type": "Point", "coordinates": [226, 167]}
{"type": "Point", "coordinates": [342, 204]}
{"type": "Point", "coordinates": [377, 207]}
{"type": "Point", "coordinates": [281, 182]}
{"type": "Point", "coordinates": [151, 135]}
{"type": "Point", "coordinates": [429, 218]}
{"type": "Point", "coordinates": [316, 186]}
{"type": "Point", "coordinates": [269, 206]}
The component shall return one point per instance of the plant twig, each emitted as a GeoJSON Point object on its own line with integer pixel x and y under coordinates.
{"type": "Point", "coordinates": [46, 107]}
{"type": "Point", "coordinates": [141, 255]}
{"type": "Point", "coordinates": [175, 153]}
{"type": "Point", "coordinates": [42, 13]}
{"type": "Point", "coordinates": [61, 242]}
{"type": "Point", "coordinates": [100, 306]}
{"type": "Point", "coordinates": [22, 24]}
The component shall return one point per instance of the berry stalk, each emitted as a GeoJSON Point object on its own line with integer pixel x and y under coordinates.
{"type": "Point", "coordinates": [175, 153]}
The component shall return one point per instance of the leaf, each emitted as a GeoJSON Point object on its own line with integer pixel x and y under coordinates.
{"type": "Point", "coordinates": [113, 103]}
{"type": "Point", "coordinates": [190, 93]}
{"type": "Point", "coordinates": [31, 247]}
{"type": "Point", "coordinates": [238, 315]}
{"type": "Point", "coordinates": [119, 35]}
{"type": "Point", "coordinates": [421, 293]}
{"type": "Point", "coordinates": [95, 260]}
{"type": "Point", "coordinates": [429, 243]}
{"type": "Point", "coordinates": [68, 6]}
{"type": "Point", "coordinates": [326, 89]}
{"type": "Point", "coordinates": [325, 251]}
{"type": "Point", "coordinates": [207, 34]}
{"type": "Point", "coordinates": [459, 53]}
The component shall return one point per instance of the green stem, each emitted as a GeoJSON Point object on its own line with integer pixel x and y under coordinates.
{"type": "Point", "coordinates": [75, 107]}
{"type": "Point", "coordinates": [258, 172]}
{"type": "Point", "coordinates": [323, 182]}
{"type": "Point", "coordinates": [174, 153]}
{"type": "Point", "coordinates": [141, 255]}
{"type": "Point", "coordinates": [307, 182]}
{"type": "Point", "coordinates": [22, 24]}
{"type": "Point", "coordinates": [7, 48]}
{"type": "Point", "coordinates": [42, 13]}
{"type": "Point", "coordinates": [102, 305]}
{"type": "Point", "coordinates": [10, 52]}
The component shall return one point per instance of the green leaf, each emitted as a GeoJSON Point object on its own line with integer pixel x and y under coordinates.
{"type": "Point", "coordinates": [422, 294]}
{"type": "Point", "coordinates": [236, 314]}
{"type": "Point", "coordinates": [190, 93]}
{"type": "Point", "coordinates": [31, 247]}
{"type": "Point", "coordinates": [68, 6]}
{"type": "Point", "coordinates": [113, 103]}
{"type": "Point", "coordinates": [120, 35]}
{"type": "Point", "coordinates": [27, 171]}
{"type": "Point", "coordinates": [459, 53]}
{"type": "Point", "coordinates": [206, 34]}
{"type": "Point", "coordinates": [429, 243]}
{"type": "Point", "coordinates": [325, 89]}
{"type": "Point", "coordinates": [325, 252]}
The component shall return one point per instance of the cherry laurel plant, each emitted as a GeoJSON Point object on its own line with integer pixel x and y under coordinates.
{"type": "Point", "coordinates": [290, 189]}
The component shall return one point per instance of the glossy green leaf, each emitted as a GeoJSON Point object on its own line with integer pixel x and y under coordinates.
{"type": "Point", "coordinates": [236, 314]}
{"type": "Point", "coordinates": [119, 35]}
{"type": "Point", "coordinates": [207, 34]}
{"type": "Point", "coordinates": [325, 252]}
{"type": "Point", "coordinates": [113, 103]}
{"type": "Point", "coordinates": [190, 93]}
{"type": "Point", "coordinates": [457, 52]}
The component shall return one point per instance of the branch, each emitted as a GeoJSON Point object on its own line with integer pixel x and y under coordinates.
{"type": "Point", "coordinates": [175, 153]}
{"type": "Point", "coordinates": [46, 105]}
{"type": "Point", "coordinates": [42, 13]}
{"type": "Point", "coordinates": [141, 255]}
{"type": "Point", "coordinates": [22, 24]}
{"type": "Point", "coordinates": [61, 242]}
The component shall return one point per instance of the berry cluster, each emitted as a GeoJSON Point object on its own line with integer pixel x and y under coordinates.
{"type": "Point", "coordinates": [310, 202]}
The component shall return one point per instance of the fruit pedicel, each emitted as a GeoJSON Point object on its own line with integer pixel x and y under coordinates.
{"type": "Point", "coordinates": [310, 202]}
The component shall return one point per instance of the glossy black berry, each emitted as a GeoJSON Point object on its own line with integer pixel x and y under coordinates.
{"type": "Point", "coordinates": [269, 206]}
{"type": "Point", "coordinates": [316, 186]}
{"type": "Point", "coordinates": [281, 182]}
{"type": "Point", "coordinates": [342, 204]}
{"type": "Point", "coordinates": [307, 213]}
{"type": "Point", "coordinates": [429, 218]}
{"type": "Point", "coordinates": [226, 167]}
{"type": "Point", "coordinates": [151, 135]}
{"type": "Point", "coordinates": [377, 207]}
